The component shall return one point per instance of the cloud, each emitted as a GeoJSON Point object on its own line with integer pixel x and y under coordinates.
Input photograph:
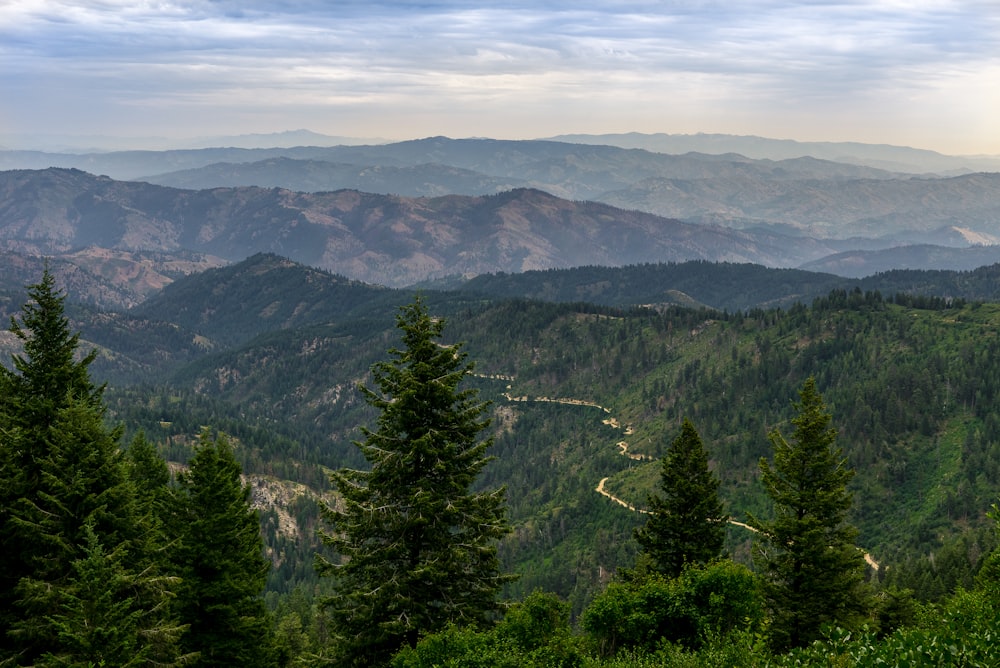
{"type": "Point", "coordinates": [228, 62]}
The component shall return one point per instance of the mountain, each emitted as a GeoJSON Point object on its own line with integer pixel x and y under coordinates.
{"type": "Point", "coordinates": [272, 352]}
{"type": "Point", "coordinates": [426, 180]}
{"type": "Point", "coordinates": [820, 198]}
{"type": "Point", "coordinates": [881, 156]}
{"type": "Point", "coordinates": [893, 208]}
{"type": "Point", "coordinates": [380, 239]}
{"type": "Point", "coordinates": [724, 286]}
{"type": "Point", "coordinates": [569, 169]}
{"type": "Point", "coordinates": [268, 293]}
{"type": "Point", "coordinates": [263, 293]}
{"type": "Point", "coordinates": [721, 286]}
{"type": "Point", "coordinates": [858, 264]}
{"type": "Point", "coordinates": [287, 138]}
{"type": "Point", "coordinates": [97, 144]}
{"type": "Point", "coordinates": [103, 277]}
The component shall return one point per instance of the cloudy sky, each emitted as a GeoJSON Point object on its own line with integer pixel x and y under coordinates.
{"type": "Point", "coordinates": [922, 73]}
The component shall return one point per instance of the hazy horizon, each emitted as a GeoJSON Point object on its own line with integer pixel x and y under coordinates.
{"type": "Point", "coordinates": [84, 144]}
{"type": "Point", "coordinates": [922, 74]}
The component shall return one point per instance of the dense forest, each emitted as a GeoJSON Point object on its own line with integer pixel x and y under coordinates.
{"type": "Point", "coordinates": [579, 397]}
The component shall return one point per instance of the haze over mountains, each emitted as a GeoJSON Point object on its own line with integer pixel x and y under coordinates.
{"type": "Point", "coordinates": [882, 156]}
{"type": "Point", "coordinates": [407, 212]}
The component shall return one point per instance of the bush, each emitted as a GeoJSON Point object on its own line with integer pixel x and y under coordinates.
{"type": "Point", "coordinates": [533, 633]}
{"type": "Point", "coordinates": [705, 601]}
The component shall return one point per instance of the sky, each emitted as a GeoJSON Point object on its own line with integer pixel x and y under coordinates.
{"type": "Point", "coordinates": [922, 73]}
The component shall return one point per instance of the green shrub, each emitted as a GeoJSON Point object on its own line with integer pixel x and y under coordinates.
{"type": "Point", "coordinates": [704, 602]}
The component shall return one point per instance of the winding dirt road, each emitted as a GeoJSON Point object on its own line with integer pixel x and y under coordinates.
{"type": "Point", "coordinates": [623, 450]}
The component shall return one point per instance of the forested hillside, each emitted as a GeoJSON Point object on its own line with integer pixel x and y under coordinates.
{"type": "Point", "coordinates": [722, 286]}
{"type": "Point", "coordinates": [585, 400]}
{"type": "Point", "coordinates": [910, 383]}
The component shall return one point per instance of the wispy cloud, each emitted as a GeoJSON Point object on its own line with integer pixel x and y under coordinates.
{"type": "Point", "coordinates": [824, 69]}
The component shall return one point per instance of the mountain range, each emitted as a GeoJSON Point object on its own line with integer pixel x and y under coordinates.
{"type": "Point", "coordinates": [882, 156]}
{"type": "Point", "coordinates": [815, 196]}
{"type": "Point", "coordinates": [382, 239]}
{"type": "Point", "coordinates": [734, 209]}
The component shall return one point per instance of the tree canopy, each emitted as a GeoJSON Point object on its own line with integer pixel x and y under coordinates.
{"type": "Point", "coordinates": [813, 571]}
{"type": "Point", "coordinates": [686, 524]}
{"type": "Point", "coordinates": [68, 513]}
{"type": "Point", "coordinates": [414, 545]}
{"type": "Point", "coordinates": [220, 560]}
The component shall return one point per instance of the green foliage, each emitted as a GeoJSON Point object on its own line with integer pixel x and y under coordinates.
{"type": "Point", "coordinates": [68, 514]}
{"type": "Point", "coordinates": [109, 615]}
{"type": "Point", "coordinates": [415, 547]}
{"type": "Point", "coordinates": [455, 647]}
{"type": "Point", "coordinates": [913, 391]}
{"type": "Point", "coordinates": [48, 374]}
{"type": "Point", "coordinates": [219, 557]}
{"type": "Point", "coordinates": [540, 619]}
{"type": "Point", "coordinates": [962, 633]}
{"type": "Point", "coordinates": [814, 573]}
{"type": "Point", "coordinates": [913, 382]}
{"type": "Point", "coordinates": [686, 524]}
{"type": "Point", "coordinates": [533, 633]}
{"type": "Point", "coordinates": [704, 602]}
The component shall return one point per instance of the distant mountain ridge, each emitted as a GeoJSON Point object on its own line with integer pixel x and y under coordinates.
{"type": "Point", "coordinates": [374, 238]}
{"type": "Point", "coordinates": [814, 197]}
{"type": "Point", "coordinates": [425, 180]}
{"type": "Point", "coordinates": [881, 156]}
{"type": "Point", "coordinates": [857, 264]}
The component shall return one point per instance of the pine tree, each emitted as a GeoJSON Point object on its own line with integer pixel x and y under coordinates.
{"type": "Point", "coordinates": [814, 574]}
{"type": "Point", "coordinates": [150, 477]}
{"type": "Point", "coordinates": [686, 524]}
{"type": "Point", "coordinates": [415, 547]}
{"type": "Point", "coordinates": [110, 615]}
{"type": "Point", "coordinates": [62, 479]}
{"type": "Point", "coordinates": [43, 381]}
{"type": "Point", "coordinates": [219, 557]}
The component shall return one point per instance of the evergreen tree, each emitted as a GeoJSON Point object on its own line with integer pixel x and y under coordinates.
{"type": "Point", "coordinates": [63, 486]}
{"type": "Point", "coordinates": [147, 469]}
{"type": "Point", "coordinates": [150, 477]}
{"type": "Point", "coordinates": [219, 557]}
{"type": "Point", "coordinates": [686, 524]}
{"type": "Point", "coordinates": [109, 615]}
{"type": "Point", "coordinates": [814, 574]}
{"type": "Point", "coordinates": [416, 547]}
{"type": "Point", "coordinates": [43, 381]}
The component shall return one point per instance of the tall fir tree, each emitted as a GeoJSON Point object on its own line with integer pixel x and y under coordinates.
{"type": "Point", "coordinates": [814, 573]}
{"type": "Point", "coordinates": [686, 524]}
{"type": "Point", "coordinates": [151, 479]}
{"type": "Point", "coordinates": [219, 557]}
{"type": "Point", "coordinates": [415, 547]}
{"type": "Point", "coordinates": [43, 381]}
{"type": "Point", "coordinates": [63, 485]}
{"type": "Point", "coordinates": [112, 615]}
